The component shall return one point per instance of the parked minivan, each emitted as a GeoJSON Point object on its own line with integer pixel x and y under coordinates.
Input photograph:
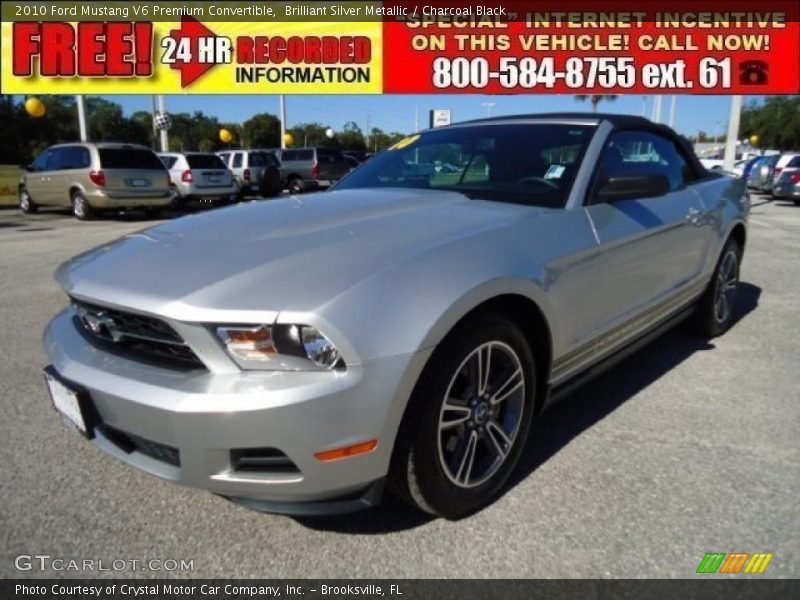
{"type": "Point", "coordinates": [92, 177]}
{"type": "Point", "coordinates": [257, 172]}
{"type": "Point", "coordinates": [199, 176]}
{"type": "Point", "coordinates": [311, 168]}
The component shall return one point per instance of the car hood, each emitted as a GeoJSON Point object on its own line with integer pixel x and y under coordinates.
{"type": "Point", "coordinates": [294, 253]}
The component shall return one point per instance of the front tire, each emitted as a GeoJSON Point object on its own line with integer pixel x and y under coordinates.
{"type": "Point", "coordinates": [716, 310]}
{"type": "Point", "coordinates": [81, 208]}
{"type": "Point", "coordinates": [467, 421]}
{"type": "Point", "coordinates": [26, 203]}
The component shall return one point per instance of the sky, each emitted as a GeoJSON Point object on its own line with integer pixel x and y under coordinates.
{"type": "Point", "coordinates": [397, 112]}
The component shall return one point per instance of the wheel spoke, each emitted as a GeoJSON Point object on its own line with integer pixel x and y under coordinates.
{"type": "Point", "coordinates": [499, 439]}
{"type": "Point", "coordinates": [458, 414]}
{"type": "Point", "coordinates": [486, 369]}
{"type": "Point", "coordinates": [508, 387]}
{"type": "Point", "coordinates": [467, 459]}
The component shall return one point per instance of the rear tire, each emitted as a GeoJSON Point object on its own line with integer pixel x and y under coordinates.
{"type": "Point", "coordinates": [716, 310]}
{"type": "Point", "coordinates": [26, 203]}
{"type": "Point", "coordinates": [458, 444]}
{"type": "Point", "coordinates": [296, 186]}
{"type": "Point", "coordinates": [81, 208]}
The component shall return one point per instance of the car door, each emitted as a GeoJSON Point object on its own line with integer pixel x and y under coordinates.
{"type": "Point", "coordinates": [69, 165]}
{"type": "Point", "coordinates": [37, 176]}
{"type": "Point", "coordinates": [652, 249]}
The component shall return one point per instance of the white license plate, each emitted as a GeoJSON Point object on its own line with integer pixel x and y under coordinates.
{"type": "Point", "coordinates": [324, 182]}
{"type": "Point", "coordinates": [139, 182]}
{"type": "Point", "coordinates": [66, 402]}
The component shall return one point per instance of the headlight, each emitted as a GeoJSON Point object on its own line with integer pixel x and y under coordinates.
{"type": "Point", "coordinates": [284, 347]}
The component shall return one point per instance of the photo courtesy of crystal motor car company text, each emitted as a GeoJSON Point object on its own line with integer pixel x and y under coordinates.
{"type": "Point", "coordinates": [329, 258]}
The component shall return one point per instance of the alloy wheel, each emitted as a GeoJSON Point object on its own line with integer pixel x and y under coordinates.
{"type": "Point", "coordinates": [24, 201]}
{"type": "Point", "coordinates": [481, 414]}
{"type": "Point", "coordinates": [727, 281]}
{"type": "Point", "coordinates": [79, 206]}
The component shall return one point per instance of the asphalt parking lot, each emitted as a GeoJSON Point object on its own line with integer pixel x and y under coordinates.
{"type": "Point", "coordinates": [688, 447]}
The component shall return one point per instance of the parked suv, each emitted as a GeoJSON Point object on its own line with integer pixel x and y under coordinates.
{"type": "Point", "coordinates": [93, 177]}
{"type": "Point", "coordinates": [311, 168]}
{"type": "Point", "coordinates": [198, 176]}
{"type": "Point", "coordinates": [257, 172]}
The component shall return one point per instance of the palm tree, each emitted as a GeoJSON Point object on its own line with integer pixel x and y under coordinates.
{"type": "Point", "coordinates": [595, 99]}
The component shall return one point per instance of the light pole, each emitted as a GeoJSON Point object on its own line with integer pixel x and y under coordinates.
{"type": "Point", "coordinates": [733, 133]}
{"type": "Point", "coordinates": [488, 106]}
{"type": "Point", "coordinates": [672, 110]}
{"type": "Point", "coordinates": [283, 120]}
{"type": "Point", "coordinates": [81, 118]}
{"type": "Point", "coordinates": [162, 108]}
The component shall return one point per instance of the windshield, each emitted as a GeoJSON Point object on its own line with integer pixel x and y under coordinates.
{"type": "Point", "coordinates": [507, 162]}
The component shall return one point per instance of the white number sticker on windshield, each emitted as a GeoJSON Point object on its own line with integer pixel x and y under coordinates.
{"type": "Point", "coordinates": [554, 172]}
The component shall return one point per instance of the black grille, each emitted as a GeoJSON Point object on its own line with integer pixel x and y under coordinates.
{"type": "Point", "coordinates": [262, 460]}
{"type": "Point", "coordinates": [135, 336]}
{"type": "Point", "coordinates": [128, 442]}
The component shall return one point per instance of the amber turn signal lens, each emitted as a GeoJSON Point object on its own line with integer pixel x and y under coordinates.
{"type": "Point", "coordinates": [347, 451]}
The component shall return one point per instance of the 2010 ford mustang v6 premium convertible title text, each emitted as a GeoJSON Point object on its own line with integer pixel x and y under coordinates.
{"type": "Point", "coordinates": [404, 328]}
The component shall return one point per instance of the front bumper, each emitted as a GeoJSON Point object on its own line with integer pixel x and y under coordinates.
{"type": "Point", "coordinates": [205, 414]}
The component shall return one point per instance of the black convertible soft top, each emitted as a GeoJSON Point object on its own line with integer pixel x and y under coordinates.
{"type": "Point", "coordinates": [619, 122]}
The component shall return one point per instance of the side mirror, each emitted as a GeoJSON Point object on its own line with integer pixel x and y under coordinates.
{"type": "Point", "coordinates": [633, 187]}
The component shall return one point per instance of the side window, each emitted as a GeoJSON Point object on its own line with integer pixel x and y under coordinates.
{"type": "Point", "coordinates": [630, 152]}
{"type": "Point", "coordinates": [237, 160]}
{"type": "Point", "coordinates": [305, 155]}
{"type": "Point", "coordinates": [169, 161]}
{"type": "Point", "coordinates": [288, 155]}
{"type": "Point", "coordinates": [72, 157]}
{"type": "Point", "coordinates": [226, 158]}
{"type": "Point", "coordinates": [57, 159]}
{"type": "Point", "coordinates": [76, 157]}
{"type": "Point", "coordinates": [40, 164]}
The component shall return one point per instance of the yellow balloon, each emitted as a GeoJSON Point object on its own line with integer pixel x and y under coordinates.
{"type": "Point", "coordinates": [34, 107]}
{"type": "Point", "coordinates": [225, 135]}
{"type": "Point", "coordinates": [288, 139]}
{"type": "Point", "coordinates": [754, 139]}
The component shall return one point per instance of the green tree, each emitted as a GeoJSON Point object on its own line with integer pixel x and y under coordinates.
{"type": "Point", "coordinates": [595, 99]}
{"type": "Point", "coordinates": [262, 130]}
{"type": "Point", "coordinates": [351, 137]}
{"type": "Point", "coordinates": [776, 122]}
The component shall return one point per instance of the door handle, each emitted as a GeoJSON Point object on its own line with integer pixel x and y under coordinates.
{"type": "Point", "coordinates": [693, 216]}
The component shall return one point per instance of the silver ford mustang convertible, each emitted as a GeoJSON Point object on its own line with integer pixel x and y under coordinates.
{"type": "Point", "coordinates": [402, 330]}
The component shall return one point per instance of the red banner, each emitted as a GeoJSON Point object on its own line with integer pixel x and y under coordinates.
{"type": "Point", "coordinates": [619, 47]}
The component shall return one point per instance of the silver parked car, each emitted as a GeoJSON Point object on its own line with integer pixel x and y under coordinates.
{"type": "Point", "coordinates": [199, 176]}
{"type": "Point", "coordinates": [761, 174]}
{"type": "Point", "coordinates": [406, 327]}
